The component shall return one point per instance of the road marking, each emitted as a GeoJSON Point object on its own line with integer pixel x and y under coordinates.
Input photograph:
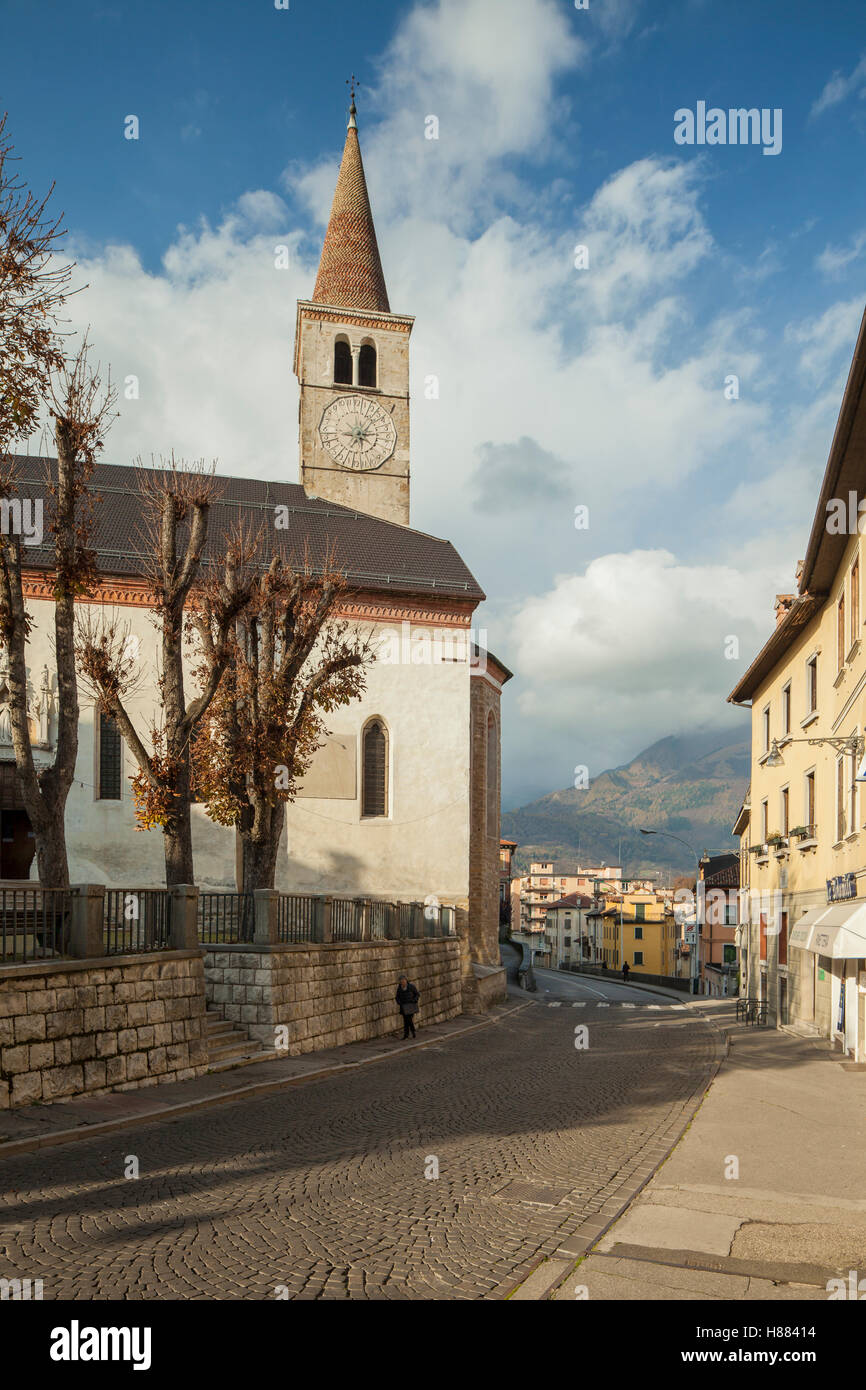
{"type": "Point", "coordinates": [602, 1006]}
{"type": "Point", "coordinates": [628, 1006]}
{"type": "Point", "coordinates": [554, 1003]}
{"type": "Point", "coordinates": [653, 1006]}
{"type": "Point", "coordinates": [580, 1005]}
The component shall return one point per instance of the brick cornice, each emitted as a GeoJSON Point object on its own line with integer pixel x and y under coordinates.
{"type": "Point", "coordinates": [124, 593]}
{"type": "Point", "coordinates": [357, 607]}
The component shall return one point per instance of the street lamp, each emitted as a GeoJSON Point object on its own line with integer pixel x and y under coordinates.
{"type": "Point", "coordinates": [853, 744]}
{"type": "Point", "coordinates": [699, 860]}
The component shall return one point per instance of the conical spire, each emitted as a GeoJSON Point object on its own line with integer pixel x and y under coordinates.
{"type": "Point", "coordinates": [350, 271]}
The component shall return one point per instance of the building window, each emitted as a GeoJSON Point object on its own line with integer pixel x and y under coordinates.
{"type": "Point", "coordinates": [765, 821]}
{"type": "Point", "coordinates": [640, 912]}
{"type": "Point", "coordinates": [785, 822]}
{"type": "Point", "coordinates": [374, 800]}
{"type": "Point", "coordinates": [812, 684]}
{"type": "Point", "coordinates": [762, 928]}
{"type": "Point", "coordinates": [492, 777]}
{"type": "Point", "coordinates": [852, 796]}
{"type": "Point", "coordinates": [783, 939]}
{"type": "Point", "coordinates": [855, 600]}
{"type": "Point", "coordinates": [840, 798]}
{"type": "Point", "coordinates": [638, 933]}
{"type": "Point", "coordinates": [840, 632]}
{"type": "Point", "coordinates": [367, 365]}
{"type": "Point", "coordinates": [810, 802]}
{"type": "Point", "coordinates": [786, 709]}
{"type": "Point", "coordinates": [342, 362]}
{"type": "Point", "coordinates": [766, 721]}
{"type": "Point", "coordinates": [638, 957]}
{"type": "Point", "coordinates": [109, 758]}
{"type": "Point", "coordinates": [566, 941]}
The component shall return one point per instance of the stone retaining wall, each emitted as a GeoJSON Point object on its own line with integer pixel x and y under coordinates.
{"type": "Point", "coordinates": [106, 1024]}
{"type": "Point", "coordinates": [331, 994]}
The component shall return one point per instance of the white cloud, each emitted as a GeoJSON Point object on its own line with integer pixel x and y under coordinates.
{"type": "Point", "coordinates": [834, 259]}
{"type": "Point", "coordinates": [827, 341]}
{"type": "Point", "coordinates": [839, 88]}
{"type": "Point", "coordinates": [609, 658]}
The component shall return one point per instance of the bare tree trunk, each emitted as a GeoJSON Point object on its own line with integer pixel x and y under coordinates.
{"type": "Point", "coordinates": [78, 419]}
{"type": "Point", "coordinates": [260, 845]}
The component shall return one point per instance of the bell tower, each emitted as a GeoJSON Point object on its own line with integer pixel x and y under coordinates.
{"type": "Point", "coordinates": [352, 362]}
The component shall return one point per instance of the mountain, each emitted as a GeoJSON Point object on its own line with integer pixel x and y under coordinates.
{"type": "Point", "coordinates": [690, 784]}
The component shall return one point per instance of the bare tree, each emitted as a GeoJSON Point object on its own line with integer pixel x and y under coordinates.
{"type": "Point", "coordinates": [177, 505]}
{"type": "Point", "coordinates": [81, 409]}
{"type": "Point", "coordinates": [34, 286]}
{"type": "Point", "coordinates": [292, 661]}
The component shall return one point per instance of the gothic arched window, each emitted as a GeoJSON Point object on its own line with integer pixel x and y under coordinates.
{"type": "Point", "coordinates": [109, 758]}
{"type": "Point", "coordinates": [342, 362]}
{"type": "Point", "coordinates": [367, 365]}
{"type": "Point", "coordinates": [374, 781]}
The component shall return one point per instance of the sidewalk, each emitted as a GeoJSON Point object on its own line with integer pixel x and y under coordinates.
{"type": "Point", "coordinates": [765, 1195]}
{"type": "Point", "coordinates": [83, 1117]}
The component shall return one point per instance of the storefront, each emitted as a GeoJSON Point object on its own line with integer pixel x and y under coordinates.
{"type": "Point", "coordinates": [834, 938]}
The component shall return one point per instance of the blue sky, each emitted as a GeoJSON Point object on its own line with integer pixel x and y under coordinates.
{"type": "Point", "coordinates": [559, 387]}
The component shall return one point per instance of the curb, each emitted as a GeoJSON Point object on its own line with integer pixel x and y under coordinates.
{"type": "Point", "coordinates": [13, 1147]}
{"type": "Point", "coordinates": [590, 1232]}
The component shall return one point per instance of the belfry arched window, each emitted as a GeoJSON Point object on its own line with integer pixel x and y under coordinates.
{"type": "Point", "coordinates": [367, 365]}
{"type": "Point", "coordinates": [374, 778]}
{"type": "Point", "coordinates": [342, 362]}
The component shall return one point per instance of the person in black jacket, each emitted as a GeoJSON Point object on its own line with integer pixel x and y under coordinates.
{"type": "Point", "coordinates": [407, 998]}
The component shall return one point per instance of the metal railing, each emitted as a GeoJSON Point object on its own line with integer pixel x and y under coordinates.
{"type": "Point", "coordinates": [347, 919]}
{"type": "Point", "coordinates": [34, 923]}
{"type": "Point", "coordinates": [226, 918]}
{"type": "Point", "coordinates": [751, 1011]}
{"type": "Point", "coordinates": [380, 917]}
{"type": "Point", "coordinates": [298, 918]}
{"type": "Point", "coordinates": [136, 919]}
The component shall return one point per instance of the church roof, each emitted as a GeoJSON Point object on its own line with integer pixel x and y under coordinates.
{"type": "Point", "coordinates": [375, 555]}
{"type": "Point", "coordinates": [350, 271]}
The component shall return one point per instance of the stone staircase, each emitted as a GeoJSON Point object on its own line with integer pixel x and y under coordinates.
{"type": "Point", "coordinates": [228, 1044]}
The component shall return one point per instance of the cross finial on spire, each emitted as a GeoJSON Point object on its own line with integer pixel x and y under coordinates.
{"type": "Point", "coordinates": [351, 83]}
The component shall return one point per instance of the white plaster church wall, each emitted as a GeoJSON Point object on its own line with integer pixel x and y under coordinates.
{"type": "Point", "coordinates": [421, 847]}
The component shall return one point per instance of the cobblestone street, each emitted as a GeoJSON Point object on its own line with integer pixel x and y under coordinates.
{"type": "Point", "coordinates": [321, 1188]}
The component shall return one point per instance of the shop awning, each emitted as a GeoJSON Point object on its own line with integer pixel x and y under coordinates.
{"type": "Point", "coordinates": [837, 931]}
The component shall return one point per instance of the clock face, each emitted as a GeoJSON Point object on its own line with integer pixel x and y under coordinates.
{"type": "Point", "coordinates": [357, 432]}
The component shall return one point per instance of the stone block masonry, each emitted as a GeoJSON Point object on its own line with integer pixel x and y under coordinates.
{"type": "Point", "coordinates": [331, 994]}
{"type": "Point", "coordinates": [112, 1023]}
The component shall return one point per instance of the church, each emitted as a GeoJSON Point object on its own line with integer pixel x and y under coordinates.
{"type": "Point", "coordinates": [402, 800]}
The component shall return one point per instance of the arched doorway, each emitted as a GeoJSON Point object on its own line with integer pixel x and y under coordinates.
{"type": "Point", "coordinates": [17, 842]}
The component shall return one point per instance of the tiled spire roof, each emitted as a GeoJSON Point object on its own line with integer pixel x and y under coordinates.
{"type": "Point", "coordinates": [350, 271]}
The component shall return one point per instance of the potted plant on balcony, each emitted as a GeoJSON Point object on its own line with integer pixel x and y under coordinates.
{"type": "Point", "coordinates": [802, 832]}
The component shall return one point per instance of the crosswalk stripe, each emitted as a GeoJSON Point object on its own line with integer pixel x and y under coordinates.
{"type": "Point", "coordinates": [602, 1006]}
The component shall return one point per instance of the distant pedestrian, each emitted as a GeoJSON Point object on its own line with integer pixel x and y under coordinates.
{"type": "Point", "coordinates": [604, 965]}
{"type": "Point", "coordinates": [625, 971]}
{"type": "Point", "coordinates": [407, 997]}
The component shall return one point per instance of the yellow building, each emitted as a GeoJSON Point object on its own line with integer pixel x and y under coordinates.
{"type": "Point", "coordinates": [639, 928]}
{"type": "Point", "coordinates": [803, 827]}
